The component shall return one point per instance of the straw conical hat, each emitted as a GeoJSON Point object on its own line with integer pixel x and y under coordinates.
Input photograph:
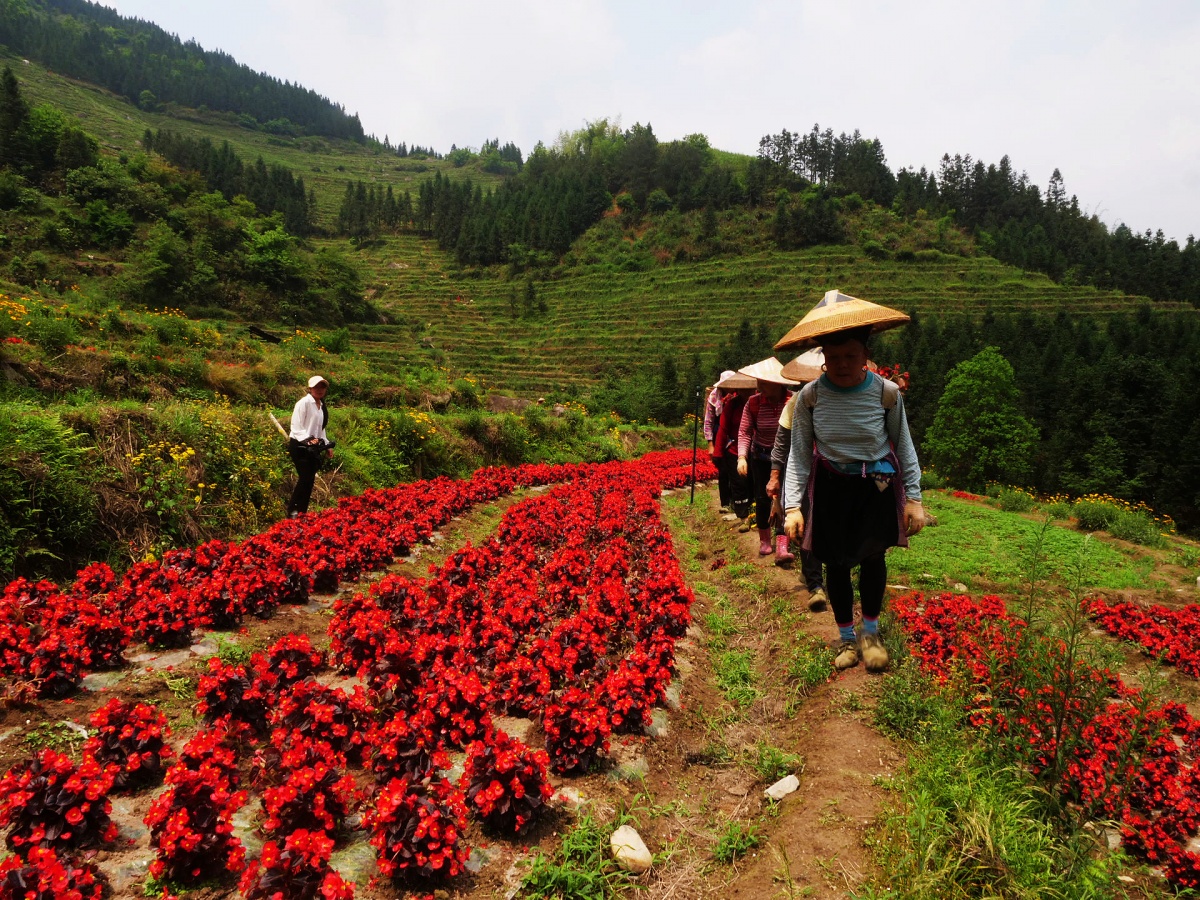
{"type": "Point", "coordinates": [837, 312]}
{"type": "Point", "coordinates": [732, 381]}
{"type": "Point", "coordinates": [806, 366]}
{"type": "Point", "coordinates": [769, 369]}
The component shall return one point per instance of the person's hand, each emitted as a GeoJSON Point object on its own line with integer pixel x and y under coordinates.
{"type": "Point", "coordinates": [793, 524]}
{"type": "Point", "coordinates": [330, 452]}
{"type": "Point", "coordinates": [743, 467]}
{"type": "Point", "coordinates": [773, 490]}
{"type": "Point", "coordinates": [712, 448]}
{"type": "Point", "coordinates": [914, 517]}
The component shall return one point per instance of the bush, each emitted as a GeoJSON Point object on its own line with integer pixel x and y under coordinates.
{"type": "Point", "coordinates": [1136, 526]}
{"type": "Point", "coordinates": [1014, 499]}
{"type": "Point", "coordinates": [1094, 514]}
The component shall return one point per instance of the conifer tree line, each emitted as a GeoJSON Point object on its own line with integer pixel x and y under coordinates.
{"type": "Point", "coordinates": [1113, 399]}
{"type": "Point", "coordinates": [143, 62]}
{"type": "Point", "coordinates": [38, 142]}
{"type": "Point", "coordinates": [270, 188]}
{"type": "Point", "coordinates": [1012, 219]}
{"type": "Point", "coordinates": [367, 209]}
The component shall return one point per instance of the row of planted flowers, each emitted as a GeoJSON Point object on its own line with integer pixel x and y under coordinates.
{"type": "Point", "coordinates": [52, 635]}
{"type": "Point", "coordinates": [1105, 748]}
{"type": "Point", "coordinates": [569, 613]}
{"type": "Point", "coordinates": [1172, 635]}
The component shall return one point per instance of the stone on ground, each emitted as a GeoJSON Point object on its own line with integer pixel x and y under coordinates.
{"type": "Point", "coordinates": [630, 850]}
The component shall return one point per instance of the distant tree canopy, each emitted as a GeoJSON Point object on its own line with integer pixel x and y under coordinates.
{"type": "Point", "coordinates": [1113, 400]}
{"type": "Point", "coordinates": [146, 64]}
{"type": "Point", "coordinates": [271, 189]}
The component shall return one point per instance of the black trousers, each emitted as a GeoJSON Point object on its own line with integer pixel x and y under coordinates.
{"type": "Point", "coordinates": [760, 472]}
{"type": "Point", "coordinates": [725, 469]}
{"type": "Point", "coordinates": [307, 463]}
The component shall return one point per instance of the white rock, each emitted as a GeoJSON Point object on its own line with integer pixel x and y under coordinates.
{"type": "Point", "coordinates": [630, 850]}
{"type": "Point", "coordinates": [960, 587]}
{"type": "Point", "coordinates": [782, 787]}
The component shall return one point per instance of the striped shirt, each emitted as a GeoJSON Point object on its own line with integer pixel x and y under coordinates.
{"type": "Point", "coordinates": [851, 430]}
{"type": "Point", "coordinates": [759, 422]}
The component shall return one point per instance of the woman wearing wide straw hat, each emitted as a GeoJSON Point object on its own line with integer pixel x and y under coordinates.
{"type": "Point", "coordinates": [853, 459]}
{"type": "Point", "coordinates": [718, 449]}
{"type": "Point", "coordinates": [756, 438]}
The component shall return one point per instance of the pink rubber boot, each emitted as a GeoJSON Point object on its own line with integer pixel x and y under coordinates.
{"type": "Point", "coordinates": [764, 542]}
{"type": "Point", "coordinates": [782, 555]}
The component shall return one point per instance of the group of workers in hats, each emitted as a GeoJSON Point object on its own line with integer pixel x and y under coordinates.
{"type": "Point", "coordinates": [820, 452]}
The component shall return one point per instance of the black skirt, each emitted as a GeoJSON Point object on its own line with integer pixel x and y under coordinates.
{"type": "Point", "coordinates": [851, 518]}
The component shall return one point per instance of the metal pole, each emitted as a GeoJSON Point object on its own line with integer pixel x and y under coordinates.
{"type": "Point", "coordinates": [695, 437]}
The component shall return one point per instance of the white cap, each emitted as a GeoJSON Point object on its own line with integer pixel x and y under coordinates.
{"type": "Point", "coordinates": [317, 379]}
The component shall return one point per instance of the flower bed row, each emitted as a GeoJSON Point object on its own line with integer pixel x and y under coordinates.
{"type": "Point", "coordinates": [1130, 761]}
{"type": "Point", "coordinates": [51, 635]}
{"type": "Point", "coordinates": [1170, 634]}
{"type": "Point", "coordinates": [569, 613]}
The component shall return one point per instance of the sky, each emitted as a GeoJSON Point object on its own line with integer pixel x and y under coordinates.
{"type": "Point", "coordinates": [1107, 92]}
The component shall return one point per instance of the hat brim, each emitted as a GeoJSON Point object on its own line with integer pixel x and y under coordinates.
{"type": "Point", "coordinates": [736, 382]}
{"type": "Point", "coordinates": [839, 312]}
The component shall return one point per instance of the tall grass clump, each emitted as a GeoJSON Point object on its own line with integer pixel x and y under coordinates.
{"type": "Point", "coordinates": [47, 501]}
{"type": "Point", "coordinates": [1131, 522]}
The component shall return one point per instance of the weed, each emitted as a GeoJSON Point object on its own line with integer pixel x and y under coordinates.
{"type": "Point", "coordinates": [740, 570]}
{"type": "Point", "coordinates": [810, 665]}
{"type": "Point", "coordinates": [182, 687]}
{"type": "Point", "coordinates": [734, 670]}
{"type": "Point", "coordinates": [770, 763]}
{"type": "Point", "coordinates": [736, 841]}
{"type": "Point", "coordinates": [56, 735]}
{"type": "Point", "coordinates": [849, 702]}
{"type": "Point", "coordinates": [232, 653]}
{"type": "Point", "coordinates": [580, 869]}
{"type": "Point", "coordinates": [719, 626]}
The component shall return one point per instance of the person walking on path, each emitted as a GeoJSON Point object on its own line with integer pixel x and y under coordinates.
{"type": "Point", "coordinates": [732, 407]}
{"type": "Point", "coordinates": [853, 460]}
{"type": "Point", "coordinates": [307, 444]}
{"type": "Point", "coordinates": [724, 457]}
{"type": "Point", "coordinates": [803, 369]}
{"type": "Point", "coordinates": [756, 438]}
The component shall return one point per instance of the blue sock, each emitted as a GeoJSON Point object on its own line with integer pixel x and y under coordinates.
{"type": "Point", "coordinates": [846, 632]}
{"type": "Point", "coordinates": [870, 626]}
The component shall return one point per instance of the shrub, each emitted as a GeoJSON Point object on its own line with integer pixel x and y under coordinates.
{"type": "Point", "coordinates": [130, 742]}
{"type": "Point", "coordinates": [54, 803]}
{"type": "Point", "coordinates": [506, 783]}
{"type": "Point", "coordinates": [415, 828]}
{"type": "Point", "coordinates": [1014, 499]}
{"type": "Point", "coordinates": [44, 875]}
{"type": "Point", "coordinates": [577, 730]}
{"type": "Point", "coordinates": [1094, 514]}
{"type": "Point", "coordinates": [191, 824]}
{"type": "Point", "coordinates": [1136, 526]}
{"type": "Point", "coordinates": [315, 797]}
{"type": "Point", "coordinates": [298, 872]}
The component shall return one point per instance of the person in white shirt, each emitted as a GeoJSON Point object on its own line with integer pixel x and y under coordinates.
{"type": "Point", "coordinates": [307, 443]}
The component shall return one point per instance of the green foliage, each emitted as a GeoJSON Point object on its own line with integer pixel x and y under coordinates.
{"type": "Point", "coordinates": [735, 676]}
{"type": "Point", "coordinates": [581, 870]}
{"type": "Point", "coordinates": [771, 763]}
{"type": "Point", "coordinates": [810, 665]}
{"type": "Point", "coordinates": [978, 434]}
{"type": "Point", "coordinates": [736, 841]}
{"type": "Point", "coordinates": [47, 490]}
{"type": "Point", "coordinates": [1013, 499]}
{"type": "Point", "coordinates": [59, 736]}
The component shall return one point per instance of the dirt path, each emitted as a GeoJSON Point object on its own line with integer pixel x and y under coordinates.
{"type": "Point", "coordinates": [813, 840]}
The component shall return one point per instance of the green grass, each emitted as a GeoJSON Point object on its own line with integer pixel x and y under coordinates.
{"type": "Point", "coordinates": [974, 544]}
{"type": "Point", "coordinates": [771, 763]}
{"type": "Point", "coordinates": [55, 735]}
{"type": "Point", "coordinates": [736, 841]}
{"type": "Point", "coordinates": [735, 676]}
{"type": "Point", "coordinates": [810, 665]}
{"type": "Point", "coordinates": [582, 869]}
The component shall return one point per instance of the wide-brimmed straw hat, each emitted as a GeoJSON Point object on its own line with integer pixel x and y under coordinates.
{"type": "Point", "coordinates": [806, 366]}
{"type": "Point", "coordinates": [769, 369]}
{"type": "Point", "coordinates": [732, 381]}
{"type": "Point", "coordinates": [839, 312]}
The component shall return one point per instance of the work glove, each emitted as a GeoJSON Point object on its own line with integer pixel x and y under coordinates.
{"type": "Point", "coordinates": [743, 467]}
{"type": "Point", "coordinates": [773, 485]}
{"type": "Point", "coordinates": [914, 517]}
{"type": "Point", "coordinates": [793, 525]}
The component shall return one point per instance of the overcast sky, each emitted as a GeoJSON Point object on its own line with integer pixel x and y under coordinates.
{"type": "Point", "coordinates": [1109, 92]}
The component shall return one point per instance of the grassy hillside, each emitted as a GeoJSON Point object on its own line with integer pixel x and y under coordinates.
{"type": "Point", "coordinates": [325, 164]}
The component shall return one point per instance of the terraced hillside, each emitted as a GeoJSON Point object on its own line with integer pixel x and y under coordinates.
{"type": "Point", "coordinates": [600, 320]}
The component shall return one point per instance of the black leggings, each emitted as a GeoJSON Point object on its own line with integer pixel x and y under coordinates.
{"type": "Point", "coordinates": [760, 472]}
{"type": "Point", "coordinates": [872, 579]}
{"type": "Point", "coordinates": [306, 463]}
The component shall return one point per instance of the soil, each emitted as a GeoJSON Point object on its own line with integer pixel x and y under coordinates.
{"type": "Point", "coordinates": [685, 783]}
